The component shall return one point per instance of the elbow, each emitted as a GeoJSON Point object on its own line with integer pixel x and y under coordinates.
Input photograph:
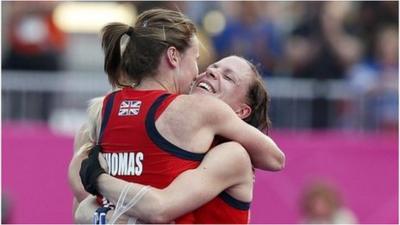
{"type": "Point", "coordinates": [277, 164]}
{"type": "Point", "coordinates": [280, 162]}
{"type": "Point", "coordinates": [158, 212]}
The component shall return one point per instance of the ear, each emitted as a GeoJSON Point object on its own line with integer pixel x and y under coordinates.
{"type": "Point", "coordinates": [173, 56]}
{"type": "Point", "coordinates": [243, 111]}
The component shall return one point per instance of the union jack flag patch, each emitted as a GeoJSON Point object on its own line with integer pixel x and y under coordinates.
{"type": "Point", "coordinates": [129, 108]}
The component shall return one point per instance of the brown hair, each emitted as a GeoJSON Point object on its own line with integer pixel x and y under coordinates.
{"type": "Point", "coordinates": [154, 31]}
{"type": "Point", "coordinates": [258, 100]}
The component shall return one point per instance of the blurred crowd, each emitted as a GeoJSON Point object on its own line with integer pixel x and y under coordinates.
{"type": "Point", "coordinates": [356, 42]}
{"type": "Point", "coordinates": [352, 41]}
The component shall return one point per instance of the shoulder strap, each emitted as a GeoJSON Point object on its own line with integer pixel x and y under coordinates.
{"type": "Point", "coordinates": [160, 141]}
{"type": "Point", "coordinates": [233, 202]}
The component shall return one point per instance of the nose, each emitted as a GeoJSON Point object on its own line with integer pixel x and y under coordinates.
{"type": "Point", "coordinates": [212, 73]}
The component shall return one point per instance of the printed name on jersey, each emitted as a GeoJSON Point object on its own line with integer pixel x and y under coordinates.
{"type": "Point", "coordinates": [125, 163]}
{"type": "Point", "coordinates": [129, 108]}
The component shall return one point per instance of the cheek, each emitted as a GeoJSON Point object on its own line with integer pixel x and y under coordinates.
{"type": "Point", "coordinates": [193, 71]}
{"type": "Point", "coordinates": [230, 89]}
{"type": "Point", "coordinates": [228, 93]}
{"type": "Point", "coordinates": [234, 94]}
{"type": "Point", "coordinates": [190, 67]}
{"type": "Point", "coordinates": [196, 69]}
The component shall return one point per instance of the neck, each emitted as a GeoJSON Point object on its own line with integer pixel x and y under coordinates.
{"type": "Point", "coordinates": [157, 83]}
{"type": "Point", "coordinates": [161, 80]}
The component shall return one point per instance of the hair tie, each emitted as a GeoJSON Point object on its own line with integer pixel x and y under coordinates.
{"type": "Point", "coordinates": [130, 31]}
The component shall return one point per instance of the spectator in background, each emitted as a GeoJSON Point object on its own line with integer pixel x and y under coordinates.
{"type": "Point", "coordinates": [371, 17]}
{"type": "Point", "coordinates": [384, 93]}
{"type": "Point", "coordinates": [376, 80]}
{"type": "Point", "coordinates": [321, 47]}
{"type": "Point", "coordinates": [318, 32]}
{"type": "Point", "coordinates": [249, 35]}
{"type": "Point", "coordinates": [321, 203]}
{"type": "Point", "coordinates": [34, 43]}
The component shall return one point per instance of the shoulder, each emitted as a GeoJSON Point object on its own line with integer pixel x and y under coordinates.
{"type": "Point", "coordinates": [94, 114]}
{"type": "Point", "coordinates": [95, 106]}
{"type": "Point", "coordinates": [230, 157]}
{"type": "Point", "coordinates": [234, 151]}
{"type": "Point", "coordinates": [206, 106]}
{"type": "Point", "coordinates": [195, 99]}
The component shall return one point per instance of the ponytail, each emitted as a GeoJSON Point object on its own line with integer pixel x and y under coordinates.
{"type": "Point", "coordinates": [139, 55]}
{"type": "Point", "coordinates": [111, 41]}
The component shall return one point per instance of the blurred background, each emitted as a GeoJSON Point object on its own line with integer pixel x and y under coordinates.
{"type": "Point", "coordinates": [331, 69]}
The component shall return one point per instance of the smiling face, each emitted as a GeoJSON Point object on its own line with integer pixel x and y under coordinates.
{"type": "Point", "coordinates": [229, 80]}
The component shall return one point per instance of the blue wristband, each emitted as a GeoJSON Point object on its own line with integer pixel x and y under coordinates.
{"type": "Point", "coordinates": [100, 215]}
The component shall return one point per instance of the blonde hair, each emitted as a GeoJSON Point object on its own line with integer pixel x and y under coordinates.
{"type": "Point", "coordinates": [89, 135]}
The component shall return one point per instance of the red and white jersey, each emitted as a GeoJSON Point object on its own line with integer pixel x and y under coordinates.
{"type": "Point", "coordinates": [134, 150]}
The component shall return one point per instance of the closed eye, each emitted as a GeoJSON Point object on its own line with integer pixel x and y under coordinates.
{"type": "Point", "coordinates": [227, 77]}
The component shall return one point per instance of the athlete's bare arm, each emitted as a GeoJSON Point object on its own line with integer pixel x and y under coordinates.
{"type": "Point", "coordinates": [201, 117]}
{"type": "Point", "coordinates": [225, 166]}
{"type": "Point", "coordinates": [222, 120]}
{"type": "Point", "coordinates": [73, 170]}
{"type": "Point", "coordinates": [83, 141]}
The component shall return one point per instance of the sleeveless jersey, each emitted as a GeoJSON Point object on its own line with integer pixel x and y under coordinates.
{"type": "Point", "coordinates": [134, 150]}
{"type": "Point", "coordinates": [223, 209]}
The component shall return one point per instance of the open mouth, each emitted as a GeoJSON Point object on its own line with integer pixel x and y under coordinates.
{"type": "Point", "coordinates": [206, 87]}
